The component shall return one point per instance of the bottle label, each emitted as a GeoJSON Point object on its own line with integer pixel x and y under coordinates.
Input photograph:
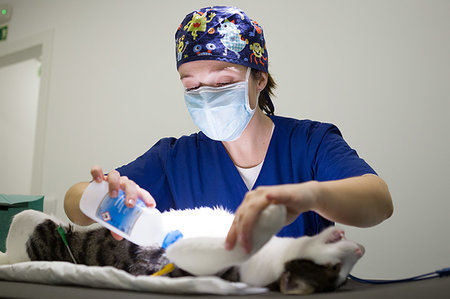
{"type": "Point", "coordinates": [114, 212]}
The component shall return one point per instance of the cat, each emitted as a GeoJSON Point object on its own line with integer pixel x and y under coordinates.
{"type": "Point", "coordinates": [291, 265]}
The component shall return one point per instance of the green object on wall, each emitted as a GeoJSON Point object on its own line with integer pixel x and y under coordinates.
{"type": "Point", "coordinates": [11, 205]}
{"type": "Point", "coordinates": [3, 32]}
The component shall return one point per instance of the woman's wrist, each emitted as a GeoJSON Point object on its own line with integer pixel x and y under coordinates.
{"type": "Point", "coordinates": [307, 196]}
{"type": "Point", "coordinates": [316, 195]}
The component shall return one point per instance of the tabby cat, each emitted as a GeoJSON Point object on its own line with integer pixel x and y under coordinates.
{"type": "Point", "coordinates": [292, 265]}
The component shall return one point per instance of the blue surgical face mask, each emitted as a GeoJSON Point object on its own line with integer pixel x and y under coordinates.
{"type": "Point", "coordinates": [222, 113]}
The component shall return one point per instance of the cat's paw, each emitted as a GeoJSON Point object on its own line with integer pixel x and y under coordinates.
{"type": "Point", "coordinates": [331, 235]}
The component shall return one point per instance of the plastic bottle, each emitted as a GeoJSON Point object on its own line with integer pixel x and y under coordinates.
{"type": "Point", "coordinates": [141, 225]}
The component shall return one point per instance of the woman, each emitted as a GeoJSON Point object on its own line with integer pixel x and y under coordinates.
{"type": "Point", "coordinates": [245, 158]}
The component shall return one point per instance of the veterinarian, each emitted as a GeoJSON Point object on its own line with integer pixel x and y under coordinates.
{"type": "Point", "coordinates": [245, 158]}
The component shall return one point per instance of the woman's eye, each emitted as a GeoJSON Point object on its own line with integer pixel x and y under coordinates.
{"type": "Point", "coordinates": [216, 85]}
{"type": "Point", "coordinates": [192, 88]}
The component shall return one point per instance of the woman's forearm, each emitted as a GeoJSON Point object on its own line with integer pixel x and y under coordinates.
{"type": "Point", "coordinates": [359, 201]}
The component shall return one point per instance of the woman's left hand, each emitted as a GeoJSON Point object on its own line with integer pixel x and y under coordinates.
{"type": "Point", "coordinates": [297, 198]}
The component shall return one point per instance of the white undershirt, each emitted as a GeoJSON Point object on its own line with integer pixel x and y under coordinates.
{"type": "Point", "coordinates": [249, 175]}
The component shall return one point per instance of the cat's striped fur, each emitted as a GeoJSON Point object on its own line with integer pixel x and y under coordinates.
{"type": "Point", "coordinates": [94, 248]}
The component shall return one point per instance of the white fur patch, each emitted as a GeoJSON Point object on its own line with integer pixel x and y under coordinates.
{"type": "Point", "coordinates": [22, 225]}
{"type": "Point", "coordinates": [200, 222]}
{"type": "Point", "coordinates": [207, 255]}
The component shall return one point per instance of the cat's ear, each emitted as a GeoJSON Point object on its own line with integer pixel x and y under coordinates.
{"type": "Point", "coordinates": [294, 285]}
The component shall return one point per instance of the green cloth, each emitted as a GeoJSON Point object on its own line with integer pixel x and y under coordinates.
{"type": "Point", "coordinates": [12, 204]}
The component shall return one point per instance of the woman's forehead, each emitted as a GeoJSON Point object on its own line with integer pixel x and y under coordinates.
{"type": "Point", "coordinates": [200, 67]}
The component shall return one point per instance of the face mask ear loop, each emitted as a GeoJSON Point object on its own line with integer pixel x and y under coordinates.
{"type": "Point", "coordinates": [247, 76]}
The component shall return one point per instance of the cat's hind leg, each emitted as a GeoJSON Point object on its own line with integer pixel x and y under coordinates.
{"type": "Point", "coordinates": [208, 256]}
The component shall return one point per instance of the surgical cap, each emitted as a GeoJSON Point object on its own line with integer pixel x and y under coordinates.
{"type": "Point", "coordinates": [221, 33]}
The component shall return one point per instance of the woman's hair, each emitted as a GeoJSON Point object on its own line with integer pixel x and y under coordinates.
{"type": "Point", "coordinates": [264, 100]}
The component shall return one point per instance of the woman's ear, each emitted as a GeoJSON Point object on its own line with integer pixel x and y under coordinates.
{"type": "Point", "coordinates": [262, 81]}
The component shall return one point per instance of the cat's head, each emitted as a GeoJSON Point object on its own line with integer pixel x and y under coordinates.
{"type": "Point", "coordinates": [324, 264]}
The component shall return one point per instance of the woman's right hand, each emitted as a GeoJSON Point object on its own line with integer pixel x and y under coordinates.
{"type": "Point", "coordinates": [131, 189]}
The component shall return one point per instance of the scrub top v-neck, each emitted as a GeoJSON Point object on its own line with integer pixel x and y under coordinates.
{"type": "Point", "coordinates": [194, 171]}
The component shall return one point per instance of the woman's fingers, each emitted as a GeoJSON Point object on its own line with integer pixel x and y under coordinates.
{"type": "Point", "coordinates": [131, 191]}
{"type": "Point", "coordinates": [146, 197]}
{"type": "Point", "coordinates": [97, 174]}
{"type": "Point", "coordinates": [230, 241]}
{"type": "Point", "coordinates": [113, 183]}
{"type": "Point", "coordinates": [116, 236]}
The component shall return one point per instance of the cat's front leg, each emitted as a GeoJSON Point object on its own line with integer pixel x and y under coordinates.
{"type": "Point", "coordinates": [208, 256]}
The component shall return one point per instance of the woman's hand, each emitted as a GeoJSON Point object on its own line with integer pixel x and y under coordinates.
{"type": "Point", "coordinates": [131, 189]}
{"type": "Point", "coordinates": [297, 198]}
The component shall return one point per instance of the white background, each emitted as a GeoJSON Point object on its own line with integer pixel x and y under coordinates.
{"type": "Point", "coordinates": [379, 70]}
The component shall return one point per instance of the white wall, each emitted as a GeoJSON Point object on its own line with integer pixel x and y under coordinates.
{"type": "Point", "coordinates": [19, 88]}
{"type": "Point", "coordinates": [377, 69]}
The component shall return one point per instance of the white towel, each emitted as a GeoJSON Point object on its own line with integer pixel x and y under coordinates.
{"type": "Point", "coordinates": [108, 277]}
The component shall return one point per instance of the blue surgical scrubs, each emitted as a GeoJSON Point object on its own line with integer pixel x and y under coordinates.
{"type": "Point", "coordinates": [194, 171]}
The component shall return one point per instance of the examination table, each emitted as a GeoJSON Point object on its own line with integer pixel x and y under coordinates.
{"type": "Point", "coordinates": [431, 288]}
